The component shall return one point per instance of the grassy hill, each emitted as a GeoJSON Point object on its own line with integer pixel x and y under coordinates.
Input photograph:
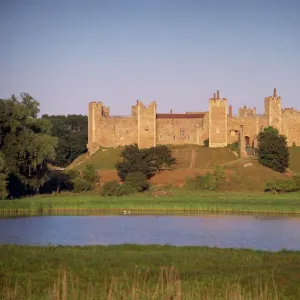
{"type": "Point", "coordinates": [187, 156]}
{"type": "Point", "coordinates": [244, 174]}
{"type": "Point", "coordinates": [295, 160]}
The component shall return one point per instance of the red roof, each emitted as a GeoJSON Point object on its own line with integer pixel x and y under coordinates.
{"type": "Point", "coordinates": [180, 116]}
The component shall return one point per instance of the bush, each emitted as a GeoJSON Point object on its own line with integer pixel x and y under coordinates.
{"type": "Point", "coordinates": [81, 185]}
{"type": "Point", "coordinates": [206, 143]}
{"type": "Point", "coordinates": [111, 188]}
{"type": "Point", "coordinates": [280, 186]}
{"type": "Point", "coordinates": [90, 174]}
{"type": "Point", "coordinates": [210, 182]}
{"type": "Point", "coordinates": [234, 147]}
{"type": "Point", "coordinates": [136, 182]}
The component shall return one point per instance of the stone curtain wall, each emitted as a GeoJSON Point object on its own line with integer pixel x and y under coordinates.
{"type": "Point", "coordinates": [147, 128]}
{"type": "Point", "coordinates": [107, 131]}
{"type": "Point", "coordinates": [290, 126]}
{"type": "Point", "coordinates": [180, 130]}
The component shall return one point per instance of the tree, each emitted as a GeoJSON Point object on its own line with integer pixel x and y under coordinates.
{"type": "Point", "coordinates": [146, 161]}
{"type": "Point", "coordinates": [3, 178]}
{"type": "Point", "coordinates": [272, 150]}
{"type": "Point", "coordinates": [72, 134]}
{"type": "Point", "coordinates": [25, 142]}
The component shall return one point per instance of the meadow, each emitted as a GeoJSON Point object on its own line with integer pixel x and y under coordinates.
{"type": "Point", "coordinates": [147, 272]}
{"type": "Point", "coordinates": [172, 200]}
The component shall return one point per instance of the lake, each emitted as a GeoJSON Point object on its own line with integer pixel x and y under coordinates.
{"type": "Point", "coordinates": [229, 231]}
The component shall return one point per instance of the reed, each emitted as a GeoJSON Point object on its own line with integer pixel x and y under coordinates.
{"type": "Point", "coordinates": [167, 286]}
{"type": "Point", "coordinates": [147, 272]}
{"type": "Point", "coordinates": [175, 201]}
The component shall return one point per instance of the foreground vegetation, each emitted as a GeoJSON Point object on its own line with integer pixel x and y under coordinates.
{"type": "Point", "coordinates": [147, 272]}
{"type": "Point", "coordinates": [175, 200]}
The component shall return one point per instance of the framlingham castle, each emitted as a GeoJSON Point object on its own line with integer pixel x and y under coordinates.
{"type": "Point", "coordinates": [148, 128]}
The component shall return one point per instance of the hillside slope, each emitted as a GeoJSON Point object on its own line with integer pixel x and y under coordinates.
{"type": "Point", "coordinates": [186, 156]}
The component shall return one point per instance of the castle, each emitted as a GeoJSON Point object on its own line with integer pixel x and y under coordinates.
{"type": "Point", "coordinates": [147, 128]}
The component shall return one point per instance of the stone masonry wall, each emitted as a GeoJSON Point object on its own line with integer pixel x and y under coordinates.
{"type": "Point", "coordinates": [180, 131]}
{"type": "Point", "coordinates": [290, 126]}
{"type": "Point", "coordinates": [147, 128]}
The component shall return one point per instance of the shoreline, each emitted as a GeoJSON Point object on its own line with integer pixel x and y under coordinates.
{"type": "Point", "coordinates": [137, 211]}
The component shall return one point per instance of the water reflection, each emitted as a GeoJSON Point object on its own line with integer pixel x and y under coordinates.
{"type": "Point", "coordinates": [266, 233]}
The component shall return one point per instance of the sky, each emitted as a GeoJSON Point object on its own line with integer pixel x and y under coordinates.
{"type": "Point", "coordinates": [67, 53]}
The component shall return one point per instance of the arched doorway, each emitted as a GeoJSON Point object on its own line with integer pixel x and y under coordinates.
{"type": "Point", "coordinates": [247, 141]}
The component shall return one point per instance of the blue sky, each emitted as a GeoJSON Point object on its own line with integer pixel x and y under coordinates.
{"type": "Point", "coordinates": [67, 53]}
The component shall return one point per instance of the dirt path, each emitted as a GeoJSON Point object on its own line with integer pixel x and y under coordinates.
{"type": "Point", "coordinates": [193, 159]}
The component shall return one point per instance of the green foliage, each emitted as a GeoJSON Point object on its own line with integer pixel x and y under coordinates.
{"type": "Point", "coordinates": [90, 174]}
{"type": "Point", "coordinates": [146, 161]}
{"type": "Point", "coordinates": [272, 150]}
{"type": "Point", "coordinates": [277, 185]}
{"type": "Point", "coordinates": [206, 143]}
{"type": "Point", "coordinates": [3, 178]}
{"type": "Point", "coordinates": [111, 188]}
{"type": "Point", "coordinates": [25, 143]}
{"type": "Point", "coordinates": [135, 182]}
{"type": "Point", "coordinates": [72, 134]}
{"type": "Point", "coordinates": [209, 182]}
{"type": "Point", "coordinates": [234, 147]}
{"type": "Point", "coordinates": [81, 185]}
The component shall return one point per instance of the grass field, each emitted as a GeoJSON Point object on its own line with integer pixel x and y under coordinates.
{"type": "Point", "coordinates": [295, 159]}
{"type": "Point", "coordinates": [147, 272]}
{"type": "Point", "coordinates": [187, 156]}
{"type": "Point", "coordinates": [176, 200]}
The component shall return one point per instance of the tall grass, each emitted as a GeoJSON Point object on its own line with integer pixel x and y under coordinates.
{"type": "Point", "coordinates": [180, 201]}
{"type": "Point", "coordinates": [167, 286]}
{"type": "Point", "coordinates": [147, 272]}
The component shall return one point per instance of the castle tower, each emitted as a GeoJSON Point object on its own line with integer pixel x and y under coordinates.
{"type": "Point", "coordinates": [146, 117]}
{"type": "Point", "coordinates": [94, 113]}
{"type": "Point", "coordinates": [273, 110]}
{"type": "Point", "coordinates": [217, 121]}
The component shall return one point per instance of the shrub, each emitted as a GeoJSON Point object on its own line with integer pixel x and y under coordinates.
{"type": "Point", "coordinates": [210, 182]}
{"type": "Point", "coordinates": [234, 147]}
{"type": "Point", "coordinates": [111, 188]}
{"type": "Point", "coordinates": [81, 185]}
{"type": "Point", "coordinates": [206, 143]}
{"type": "Point", "coordinates": [136, 182]}
{"type": "Point", "coordinates": [280, 186]}
{"type": "Point", "coordinates": [90, 174]}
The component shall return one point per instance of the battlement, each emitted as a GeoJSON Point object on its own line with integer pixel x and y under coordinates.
{"type": "Point", "coordinates": [146, 127]}
{"type": "Point", "coordinates": [247, 112]}
{"type": "Point", "coordinates": [290, 112]}
{"type": "Point", "coordinates": [274, 98]}
{"type": "Point", "coordinates": [217, 101]}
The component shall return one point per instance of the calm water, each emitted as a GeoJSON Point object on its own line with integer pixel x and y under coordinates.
{"type": "Point", "coordinates": [267, 233]}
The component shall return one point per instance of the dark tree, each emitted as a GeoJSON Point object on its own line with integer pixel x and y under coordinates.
{"type": "Point", "coordinates": [25, 144]}
{"type": "Point", "coordinates": [146, 161]}
{"type": "Point", "coordinates": [272, 150]}
{"type": "Point", "coordinates": [72, 134]}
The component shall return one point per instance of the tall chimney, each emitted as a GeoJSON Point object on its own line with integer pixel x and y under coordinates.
{"type": "Point", "coordinates": [218, 94]}
{"type": "Point", "coordinates": [230, 111]}
{"type": "Point", "coordinates": [214, 95]}
{"type": "Point", "coordinates": [275, 94]}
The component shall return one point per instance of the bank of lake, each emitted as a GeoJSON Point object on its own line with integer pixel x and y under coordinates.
{"type": "Point", "coordinates": [177, 200]}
